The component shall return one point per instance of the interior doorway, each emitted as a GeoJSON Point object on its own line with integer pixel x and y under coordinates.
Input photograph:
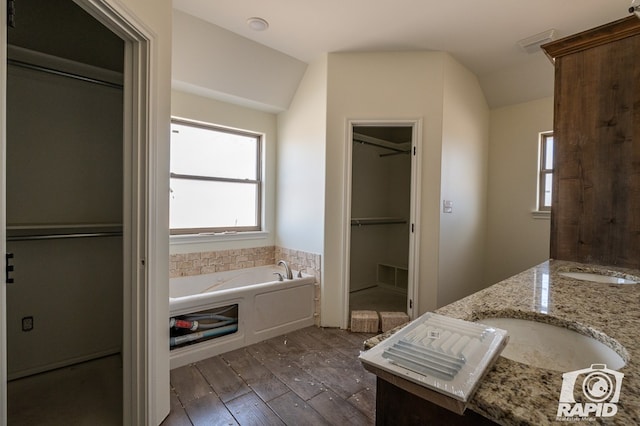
{"type": "Point", "coordinates": [382, 241]}
{"type": "Point", "coordinates": [64, 212]}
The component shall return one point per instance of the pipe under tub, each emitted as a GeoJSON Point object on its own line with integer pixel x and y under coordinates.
{"type": "Point", "coordinates": [179, 340]}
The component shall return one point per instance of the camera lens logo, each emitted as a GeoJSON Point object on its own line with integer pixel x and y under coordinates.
{"type": "Point", "coordinates": [600, 387]}
{"type": "Point", "coordinates": [597, 387]}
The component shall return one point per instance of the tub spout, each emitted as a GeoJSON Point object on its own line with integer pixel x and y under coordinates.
{"type": "Point", "coordinates": [287, 269]}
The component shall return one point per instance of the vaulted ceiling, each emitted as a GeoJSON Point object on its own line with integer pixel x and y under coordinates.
{"type": "Point", "coordinates": [483, 35]}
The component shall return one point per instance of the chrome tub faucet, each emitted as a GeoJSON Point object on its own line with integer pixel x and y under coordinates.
{"type": "Point", "coordinates": [289, 274]}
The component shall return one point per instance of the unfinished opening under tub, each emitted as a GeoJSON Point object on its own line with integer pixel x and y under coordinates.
{"type": "Point", "coordinates": [201, 326]}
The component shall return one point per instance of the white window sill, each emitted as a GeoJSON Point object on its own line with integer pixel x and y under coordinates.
{"type": "Point", "coordinates": [223, 236]}
{"type": "Point", "coordinates": [541, 214]}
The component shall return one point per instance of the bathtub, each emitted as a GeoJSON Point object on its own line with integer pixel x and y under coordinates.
{"type": "Point", "coordinates": [266, 307]}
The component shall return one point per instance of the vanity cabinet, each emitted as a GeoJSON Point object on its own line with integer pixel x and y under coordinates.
{"type": "Point", "coordinates": [397, 406]}
{"type": "Point", "coordinates": [595, 216]}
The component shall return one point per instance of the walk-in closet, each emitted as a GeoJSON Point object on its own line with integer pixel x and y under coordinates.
{"type": "Point", "coordinates": [64, 174]}
{"type": "Point", "coordinates": [380, 218]}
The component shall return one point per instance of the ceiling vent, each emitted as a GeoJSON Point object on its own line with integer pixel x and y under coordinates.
{"type": "Point", "coordinates": [532, 44]}
{"type": "Point", "coordinates": [635, 7]}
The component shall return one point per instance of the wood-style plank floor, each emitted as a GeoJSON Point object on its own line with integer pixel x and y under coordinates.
{"type": "Point", "coordinates": [309, 377]}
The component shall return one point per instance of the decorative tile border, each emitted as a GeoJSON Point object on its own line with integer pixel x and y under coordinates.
{"type": "Point", "coordinates": [199, 263]}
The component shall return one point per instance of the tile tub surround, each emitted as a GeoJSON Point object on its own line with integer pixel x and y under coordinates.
{"type": "Point", "coordinates": [200, 263]}
{"type": "Point", "coordinates": [513, 393]}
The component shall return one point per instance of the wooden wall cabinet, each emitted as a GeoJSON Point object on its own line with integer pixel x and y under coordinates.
{"type": "Point", "coordinates": [595, 216]}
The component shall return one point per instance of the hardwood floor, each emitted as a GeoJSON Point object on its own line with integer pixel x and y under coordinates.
{"type": "Point", "coordinates": [309, 377]}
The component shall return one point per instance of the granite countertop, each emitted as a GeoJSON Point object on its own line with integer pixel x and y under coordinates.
{"type": "Point", "coordinates": [513, 393]}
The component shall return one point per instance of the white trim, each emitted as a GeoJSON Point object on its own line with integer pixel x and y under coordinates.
{"type": "Point", "coordinates": [140, 357]}
{"type": "Point", "coordinates": [414, 237]}
{"type": "Point", "coordinates": [215, 238]}
{"type": "Point", "coordinates": [3, 218]}
{"type": "Point", "coordinates": [346, 217]}
{"type": "Point", "coordinates": [416, 202]}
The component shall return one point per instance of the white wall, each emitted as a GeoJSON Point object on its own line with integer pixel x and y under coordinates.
{"type": "Point", "coordinates": [301, 164]}
{"type": "Point", "coordinates": [516, 240]}
{"type": "Point", "coordinates": [433, 87]}
{"type": "Point", "coordinates": [465, 147]}
{"type": "Point", "coordinates": [207, 110]}
{"type": "Point", "coordinates": [212, 61]}
{"type": "Point", "coordinates": [384, 86]}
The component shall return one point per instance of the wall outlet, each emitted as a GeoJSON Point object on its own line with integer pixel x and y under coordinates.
{"type": "Point", "coordinates": [27, 323]}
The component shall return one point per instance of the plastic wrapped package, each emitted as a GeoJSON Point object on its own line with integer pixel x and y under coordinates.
{"type": "Point", "coordinates": [446, 356]}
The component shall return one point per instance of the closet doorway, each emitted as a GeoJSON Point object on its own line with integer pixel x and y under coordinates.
{"type": "Point", "coordinates": [64, 212]}
{"type": "Point", "coordinates": [382, 242]}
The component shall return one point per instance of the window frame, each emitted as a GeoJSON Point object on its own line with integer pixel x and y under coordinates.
{"type": "Point", "coordinates": [543, 172]}
{"type": "Point", "coordinates": [258, 182]}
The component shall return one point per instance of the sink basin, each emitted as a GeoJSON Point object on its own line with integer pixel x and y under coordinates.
{"type": "Point", "coordinates": [551, 347]}
{"type": "Point", "coordinates": [597, 278]}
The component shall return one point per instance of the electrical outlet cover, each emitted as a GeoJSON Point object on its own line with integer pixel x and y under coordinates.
{"type": "Point", "coordinates": [27, 323]}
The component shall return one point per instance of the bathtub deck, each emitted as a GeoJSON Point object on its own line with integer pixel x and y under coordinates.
{"type": "Point", "coordinates": [310, 376]}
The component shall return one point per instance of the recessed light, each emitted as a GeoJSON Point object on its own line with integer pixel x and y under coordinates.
{"type": "Point", "coordinates": [257, 24]}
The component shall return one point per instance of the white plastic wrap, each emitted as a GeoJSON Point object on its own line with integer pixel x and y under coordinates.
{"type": "Point", "coordinates": [446, 355]}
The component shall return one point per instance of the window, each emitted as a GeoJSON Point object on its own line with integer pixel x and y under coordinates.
{"type": "Point", "coordinates": [215, 179]}
{"type": "Point", "coordinates": [546, 172]}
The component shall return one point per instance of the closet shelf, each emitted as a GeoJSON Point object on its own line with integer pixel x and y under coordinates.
{"type": "Point", "coordinates": [363, 221]}
{"type": "Point", "coordinates": [397, 148]}
{"type": "Point", "coordinates": [62, 231]}
{"type": "Point", "coordinates": [56, 226]}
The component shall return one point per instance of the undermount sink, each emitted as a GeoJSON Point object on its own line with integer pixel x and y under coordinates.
{"type": "Point", "coordinates": [551, 347]}
{"type": "Point", "coordinates": [597, 278]}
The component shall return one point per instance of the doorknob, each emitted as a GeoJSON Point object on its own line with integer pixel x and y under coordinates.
{"type": "Point", "coordinates": [9, 268]}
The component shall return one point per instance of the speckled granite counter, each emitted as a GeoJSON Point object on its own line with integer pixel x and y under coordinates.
{"type": "Point", "coordinates": [513, 393]}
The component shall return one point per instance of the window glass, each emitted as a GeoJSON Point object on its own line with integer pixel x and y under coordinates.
{"type": "Point", "coordinates": [203, 151]}
{"type": "Point", "coordinates": [548, 152]}
{"type": "Point", "coordinates": [215, 179]}
{"type": "Point", "coordinates": [545, 180]}
{"type": "Point", "coordinates": [548, 181]}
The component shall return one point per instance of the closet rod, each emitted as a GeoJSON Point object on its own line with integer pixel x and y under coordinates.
{"type": "Point", "coordinates": [395, 153]}
{"type": "Point", "coordinates": [63, 236]}
{"type": "Point", "coordinates": [63, 73]}
{"type": "Point", "coordinates": [380, 145]}
{"type": "Point", "coordinates": [377, 221]}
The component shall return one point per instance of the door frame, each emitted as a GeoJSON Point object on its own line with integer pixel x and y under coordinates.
{"type": "Point", "coordinates": [414, 219]}
{"type": "Point", "coordinates": [139, 237]}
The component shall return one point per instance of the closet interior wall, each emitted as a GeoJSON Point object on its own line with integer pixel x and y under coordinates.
{"type": "Point", "coordinates": [64, 177]}
{"type": "Point", "coordinates": [380, 207]}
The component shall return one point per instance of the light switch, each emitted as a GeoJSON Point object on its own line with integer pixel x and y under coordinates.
{"type": "Point", "coordinates": [447, 206]}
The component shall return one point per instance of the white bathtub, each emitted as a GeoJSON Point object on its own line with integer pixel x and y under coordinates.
{"type": "Point", "coordinates": [266, 307]}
